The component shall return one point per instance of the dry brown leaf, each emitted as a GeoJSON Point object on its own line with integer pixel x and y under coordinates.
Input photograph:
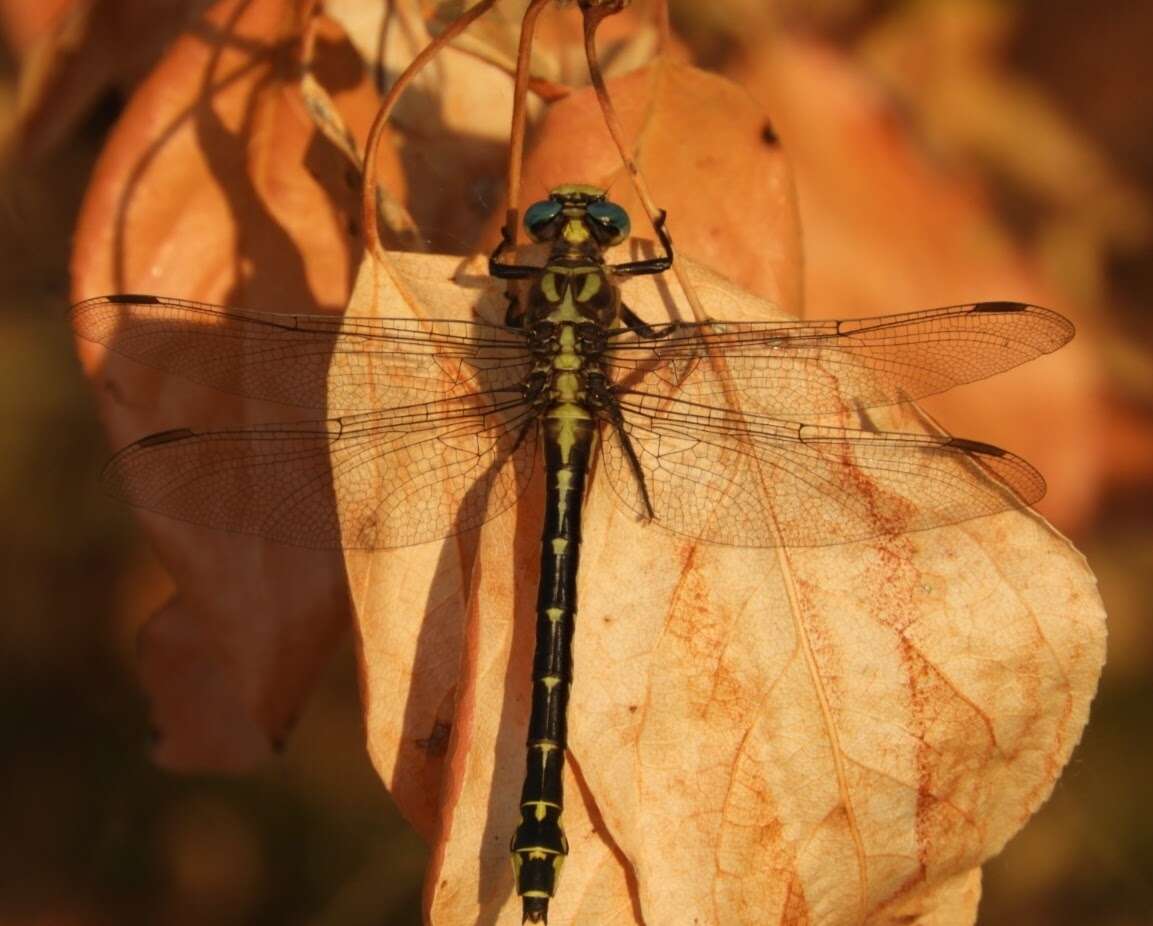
{"type": "Point", "coordinates": [829, 735]}
{"type": "Point", "coordinates": [886, 229]}
{"type": "Point", "coordinates": [216, 186]}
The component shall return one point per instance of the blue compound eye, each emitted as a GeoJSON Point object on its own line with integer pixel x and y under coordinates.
{"type": "Point", "coordinates": [612, 218]}
{"type": "Point", "coordinates": [539, 216]}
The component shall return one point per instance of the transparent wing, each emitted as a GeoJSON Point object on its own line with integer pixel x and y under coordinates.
{"type": "Point", "coordinates": [311, 361]}
{"type": "Point", "coordinates": [371, 481]}
{"type": "Point", "coordinates": [755, 481]}
{"type": "Point", "coordinates": [793, 369]}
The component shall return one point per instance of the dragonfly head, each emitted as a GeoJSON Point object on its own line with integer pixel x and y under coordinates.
{"type": "Point", "coordinates": [578, 217]}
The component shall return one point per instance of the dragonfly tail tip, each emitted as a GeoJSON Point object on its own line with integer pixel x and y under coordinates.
{"type": "Point", "coordinates": [535, 910]}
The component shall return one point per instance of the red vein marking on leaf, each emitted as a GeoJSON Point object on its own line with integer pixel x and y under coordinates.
{"type": "Point", "coordinates": [909, 648]}
{"type": "Point", "coordinates": [920, 674]}
{"type": "Point", "coordinates": [937, 799]}
{"type": "Point", "coordinates": [677, 593]}
{"type": "Point", "coordinates": [796, 909]}
{"type": "Point", "coordinates": [776, 851]}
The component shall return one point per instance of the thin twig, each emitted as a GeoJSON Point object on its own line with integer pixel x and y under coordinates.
{"type": "Point", "coordinates": [372, 192]}
{"type": "Point", "coordinates": [519, 116]}
{"type": "Point", "coordinates": [594, 12]}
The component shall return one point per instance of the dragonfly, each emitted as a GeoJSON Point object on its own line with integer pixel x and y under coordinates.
{"type": "Point", "coordinates": [719, 431]}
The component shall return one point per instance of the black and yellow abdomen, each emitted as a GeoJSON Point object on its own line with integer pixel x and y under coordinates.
{"type": "Point", "coordinates": [539, 845]}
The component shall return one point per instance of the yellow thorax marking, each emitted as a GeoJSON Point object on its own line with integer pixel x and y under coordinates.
{"type": "Point", "coordinates": [567, 385]}
{"type": "Point", "coordinates": [592, 286]}
{"type": "Point", "coordinates": [575, 232]}
{"type": "Point", "coordinates": [565, 311]}
{"type": "Point", "coordinates": [567, 359]}
{"type": "Point", "coordinates": [548, 286]}
{"type": "Point", "coordinates": [564, 307]}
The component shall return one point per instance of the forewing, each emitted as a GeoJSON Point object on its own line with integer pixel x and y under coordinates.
{"type": "Point", "coordinates": [754, 481]}
{"type": "Point", "coordinates": [795, 369]}
{"type": "Point", "coordinates": [310, 361]}
{"type": "Point", "coordinates": [371, 481]}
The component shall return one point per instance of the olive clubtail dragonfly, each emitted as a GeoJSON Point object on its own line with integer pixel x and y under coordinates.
{"type": "Point", "coordinates": [440, 421]}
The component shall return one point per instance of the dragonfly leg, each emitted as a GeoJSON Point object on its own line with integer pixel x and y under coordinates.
{"type": "Point", "coordinates": [638, 325]}
{"type": "Point", "coordinates": [504, 271]}
{"type": "Point", "coordinates": [653, 264]}
{"type": "Point", "coordinates": [601, 396]}
{"type": "Point", "coordinates": [634, 462]}
{"type": "Point", "coordinates": [513, 315]}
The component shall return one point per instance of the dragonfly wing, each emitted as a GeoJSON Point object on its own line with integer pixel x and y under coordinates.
{"type": "Point", "coordinates": [797, 369]}
{"type": "Point", "coordinates": [372, 481]}
{"type": "Point", "coordinates": [311, 361]}
{"type": "Point", "coordinates": [754, 481]}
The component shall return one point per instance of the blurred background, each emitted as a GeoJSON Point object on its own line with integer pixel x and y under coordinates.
{"type": "Point", "coordinates": [92, 833]}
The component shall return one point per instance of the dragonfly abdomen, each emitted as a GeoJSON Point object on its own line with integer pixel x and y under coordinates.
{"type": "Point", "coordinates": [539, 845]}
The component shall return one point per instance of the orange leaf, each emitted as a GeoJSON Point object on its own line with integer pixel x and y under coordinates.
{"type": "Point", "coordinates": [824, 734]}
{"type": "Point", "coordinates": [814, 735]}
{"type": "Point", "coordinates": [887, 228]}
{"type": "Point", "coordinates": [216, 185]}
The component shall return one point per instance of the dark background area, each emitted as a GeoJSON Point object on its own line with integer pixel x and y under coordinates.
{"type": "Point", "coordinates": [92, 833]}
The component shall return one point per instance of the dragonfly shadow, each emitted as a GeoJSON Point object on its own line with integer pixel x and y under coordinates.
{"type": "Point", "coordinates": [460, 560]}
{"type": "Point", "coordinates": [502, 806]}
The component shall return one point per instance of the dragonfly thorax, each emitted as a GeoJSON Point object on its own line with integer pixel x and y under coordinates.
{"type": "Point", "coordinates": [579, 293]}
